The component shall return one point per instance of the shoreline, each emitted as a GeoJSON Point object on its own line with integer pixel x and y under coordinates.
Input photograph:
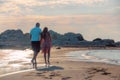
{"type": "Point", "coordinates": [89, 56]}
{"type": "Point", "coordinates": [62, 69]}
{"type": "Point", "coordinates": [80, 47]}
{"type": "Point", "coordinates": [11, 73]}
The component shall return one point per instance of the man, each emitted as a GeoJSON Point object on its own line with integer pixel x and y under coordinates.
{"type": "Point", "coordinates": [35, 35]}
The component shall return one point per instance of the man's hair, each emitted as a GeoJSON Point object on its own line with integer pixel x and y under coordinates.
{"type": "Point", "coordinates": [37, 24]}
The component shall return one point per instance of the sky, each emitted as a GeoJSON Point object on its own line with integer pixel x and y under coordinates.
{"type": "Point", "coordinates": [91, 18]}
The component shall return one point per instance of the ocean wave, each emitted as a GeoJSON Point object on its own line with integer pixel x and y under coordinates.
{"type": "Point", "coordinates": [105, 56]}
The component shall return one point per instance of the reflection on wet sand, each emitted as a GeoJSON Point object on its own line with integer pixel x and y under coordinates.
{"type": "Point", "coordinates": [14, 60]}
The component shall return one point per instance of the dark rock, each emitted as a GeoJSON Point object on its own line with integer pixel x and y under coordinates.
{"type": "Point", "coordinates": [97, 39]}
{"type": "Point", "coordinates": [12, 35]}
{"type": "Point", "coordinates": [73, 37]}
{"type": "Point", "coordinates": [108, 42]}
{"type": "Point", "coordinates": [117, 44]}
{"type": "Point", "coordinates": [58, 48]}
{"type": "Point", "coordinates": [66, 39]}
{"type": "Point", "coordinates": [104, 42]}
{"type": "Point", "coordinates": [17, 39]}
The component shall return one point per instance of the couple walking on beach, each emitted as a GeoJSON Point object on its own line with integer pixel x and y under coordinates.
{"type": "Point", "coordinates": [40, 40]}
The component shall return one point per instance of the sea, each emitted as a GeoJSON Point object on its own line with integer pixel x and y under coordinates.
{"type": "Point", "coordinates": [104, 56]}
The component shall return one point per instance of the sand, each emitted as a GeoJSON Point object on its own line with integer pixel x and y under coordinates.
{"type": "Point", "coordinates": [63, 69]}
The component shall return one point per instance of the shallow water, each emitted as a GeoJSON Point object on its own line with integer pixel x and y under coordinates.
{"type": "Point", "coordinates": [105, 56]}
{"type": "Point", "coordinates": [14, 60]}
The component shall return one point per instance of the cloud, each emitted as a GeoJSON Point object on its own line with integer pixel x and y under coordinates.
{"type": "Point", "coordinates": [24, 7]}
{"type": "Point", "coordinates": [31, 3]}
{"type": "Point", "coordinates": [114, 10]}
{"type": "Point", "coordinates": [9, 9]}
{"type": "Point", "coordinates": [56, 2]}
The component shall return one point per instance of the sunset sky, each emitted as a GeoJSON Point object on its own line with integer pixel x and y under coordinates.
{"type": "Point", "coordinates": [91, 18]}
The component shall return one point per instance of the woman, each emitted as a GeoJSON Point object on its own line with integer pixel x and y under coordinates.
{"type": "Point", "coordinates": [46, 44]}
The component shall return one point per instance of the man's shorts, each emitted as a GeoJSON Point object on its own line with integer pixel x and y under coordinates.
{"type": "Point", "coordinates": [35, 46]}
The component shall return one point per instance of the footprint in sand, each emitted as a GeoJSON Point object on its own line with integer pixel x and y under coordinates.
{"type": "Point", "coordinates": [48, 77]}
{"type": "Point", "coordinates": [66, 78]}
{"type": "Point", "coordinates": [106, 73]}
{"type": "Point", "coordinates": [92, 72]}
{"type": "Point", "coordinates": [103, 71]}
{"type": "Point", "coordinates": [40, 74]}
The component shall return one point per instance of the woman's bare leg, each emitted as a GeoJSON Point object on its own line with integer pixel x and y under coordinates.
{"type": "Point", "coordinates": [49, 56]}
{"type": "Point", "coordinates": [45, 58]}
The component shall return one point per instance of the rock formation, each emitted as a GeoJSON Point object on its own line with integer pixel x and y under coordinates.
{"type": "Point", "coordinates": [17, 39]}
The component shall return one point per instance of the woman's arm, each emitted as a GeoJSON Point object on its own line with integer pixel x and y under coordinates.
{"type": "Point", "coordinates": [50, 37]}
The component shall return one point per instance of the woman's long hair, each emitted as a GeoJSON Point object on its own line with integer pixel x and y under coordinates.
{"type": "Point", "coordinates": [45, 30]}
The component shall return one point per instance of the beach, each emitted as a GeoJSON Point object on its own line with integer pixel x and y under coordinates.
{"type": "Point", "coordinates": [62, 68]}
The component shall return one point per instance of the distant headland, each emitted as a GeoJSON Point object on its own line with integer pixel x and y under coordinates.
{"type": "Point", "coordinates": [18, 40]}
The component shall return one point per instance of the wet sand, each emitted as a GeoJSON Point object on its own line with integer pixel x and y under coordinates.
{"type": "Point", "coordinates": [14, 60]}
{"type": "Point", "coordinates": [63, 69]}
